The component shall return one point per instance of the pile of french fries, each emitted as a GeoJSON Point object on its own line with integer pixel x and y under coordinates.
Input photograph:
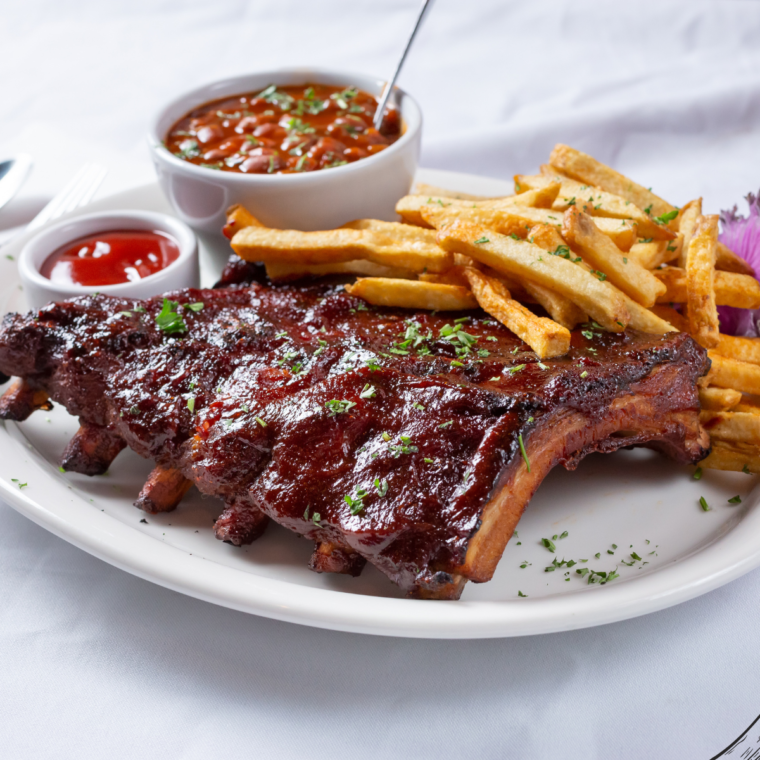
{"type": "Point", "coordinates": [578, 239]}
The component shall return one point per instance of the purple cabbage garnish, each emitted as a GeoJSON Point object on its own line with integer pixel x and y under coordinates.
{"type": "Point", "coordinates": [742, 235]}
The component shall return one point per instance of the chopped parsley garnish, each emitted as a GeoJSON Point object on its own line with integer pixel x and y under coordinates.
{"type": "Point", "coordinates": [418, 407]}
{"type": "Point", "coordinates": [169, 320]}
{"type": "Point", "coordinates": [549, 544]}
{"type": "Point", "coordinates": [745, 470]}
{"type": "Point", "coordinates": [405, 447]}
{"type": "Point", "coordinates": [445, 424]}
{"type": "Point", "coordinates": [703, 503]}
{"type": "Point", "coordinates": [515, 369]}
{"type": "Point", "coordinates": [697, 473]}
{"type": "Point", "coordinates": [336, 406]}
{"type": "Point", "coordinates": [356, 502]}
{"type": "Point", "coordinates": [20, 485]}
{"type": "Point", "coordinates": [260, 421]}
{"type": "Point", "coordinates": [195, 306]}
{"type": "Point", "coordinates": [382, 488]}
{"type": "Point", "coordinates": [368, 391]}
{"type": "Point", "coordinates": [482, 240]}
{"type": "Point", "coordinates": [648, 209]}
{"type": "Point", "coordinates": [191, 404]}
{"type": "Point", "coordinates": [520, 593]}
{"type": "Point", "coordinates": [668, 216]}
{"type": "Point", "coordinates": [522, 451]}
{"type": "Point", "coordinates": [735, 500]}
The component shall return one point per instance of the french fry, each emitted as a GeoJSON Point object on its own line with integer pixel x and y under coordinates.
{"type": "Point", "coordinates": [731, 426]}
{"type": "Point", "coordinates": [598, 250]}
{"type": "Point", "coordinates": [540, 197]}
{"type": "Point", "coordinates": [412, 294]}
{"type": "Point", "coordinates": [584, 168]}
{"type": "Point", "coordinates": [727, 261]}
{"type": "Point", "coordinates": [530, 262]}
{"type": "Point", "coordinates": [645, 320]}
{"type": "Point", "coordinates": [238, 218]}
{"type": "Point", "coordinates": [737, 457]}
{"type": "Point", "coordinates": [731, 289]}
{"type": "Point", "coordinates": [559, 308]}
{"type": "Point", "coordinates": [719, 399]}
{"type": "Point", "coordinates": [747, 404]}
{"type": "Point", "coordinates": [512, 220]}
{"type": "Point", "coordinates": [730, 373]}
{"type": "Point", "coordinates": [655, 253]}
{"type": "Point", "coordinates": [439, 192]}
{"type": "Point", "coordinates": [700, 282]}
{"type": "Point", "coordinates": [671, 315]}
{"type": "Point", "coordinates": [392, 232]}
{"type": "Point", "coordinates": [279, 271]}
{"type": "Point", "coordinates": [741, 349]}
{"type": "Point", "coordinates": [332, 246]}
{"type": "Point", "coordinates": [595, 202]}
{"type": "Point", "coordinates": [687, 223]}
{"type": "Point", "coordinates": [544, 336]}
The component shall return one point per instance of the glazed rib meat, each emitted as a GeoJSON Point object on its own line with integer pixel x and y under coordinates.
{"type": "Point", "coordinates": [410, 440]}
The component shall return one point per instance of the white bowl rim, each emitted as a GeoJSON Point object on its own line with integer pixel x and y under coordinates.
{"type": "Point", "coordinates": [150, 220]}
{"type": "Point", "coordinates": [404, 98]}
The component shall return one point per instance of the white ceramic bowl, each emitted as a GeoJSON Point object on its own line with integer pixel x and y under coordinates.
{"type": "Point", "coordinates": [323, 199]}
{"type": "Point", "coordinates": [182, 273]}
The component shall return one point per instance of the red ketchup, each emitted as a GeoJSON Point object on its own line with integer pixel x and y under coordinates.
{"type": "Point", "coordinates": [109, 258]}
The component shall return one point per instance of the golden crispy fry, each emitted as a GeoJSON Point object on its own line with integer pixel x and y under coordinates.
{"type": "Point", "coordinates": [540, 197]}
{"type": "Point", "coordinates": [412, 294]}
{"type": "Point", "coordinates": [545, 236]}
{"type": "Point", "coordinates": [730, 373]}
{"type": "Point", "coordinates": [279, 271]}
{"type": "Point", "coordinates": [431, 191]}
{"type": "Point", "coordinates": [700, 282]}
{"type": "Point", "coordinates": [393, 232]}
{"type": "Point", "coordinates": [656, 252]}
{"type": "Point", "coordinates": [671, 315]}
{"type": "Point", "coordinates": [731, 289]}
{"type": "Point", "coordinates": [544, 336]}
{"type": "Point", "coordinates": [644, 319]}
{"type": "Point", "coordinates": [509, 219]}
{"type": "Point", "coordinates": [732, 426]}
{"type": "Point", "coordinates": [601, 253]}
{"type": "Point", "coordinates": [741, 349]}
{"type": "Point", "coordinates": [584, 168]}
{"type": "Point", "coordinates": [719, 399]}
{"type": "Point", "coordinates": [687, 222]}
{"type": "Point", "coordinates": [596, 203]}
{"type": "Point", "coordinates": [747, 404]}
{"type": "Point", "coordinates": [559, 308]}
{"type": "Point", "coordinates": [331, 246]}
{"type": "Point", "coordinates": [238, 218]}
{"type": "Point", "coordinates": [530, 262]}
{"type": "Point", "coordinates": [737, 457]}
{"type": "Point", "coordinates": [727, 261]}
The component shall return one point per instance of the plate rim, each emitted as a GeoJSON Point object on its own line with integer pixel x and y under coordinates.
{"type": "Point", "coordinates": [724, 559]}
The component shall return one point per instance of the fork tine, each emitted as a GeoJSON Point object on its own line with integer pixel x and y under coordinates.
{"type": "Point", "coordinates": [52, 209]}
{"type": "Point", "coordinates": [86, 188]}
{"type": "Point", "coordinates": [98, 176]}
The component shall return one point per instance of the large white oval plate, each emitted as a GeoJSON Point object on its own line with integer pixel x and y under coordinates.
{"type": "Point", "coordinates": [611, 506]}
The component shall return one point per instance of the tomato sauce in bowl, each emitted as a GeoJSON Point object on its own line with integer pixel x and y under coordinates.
{"type": "Point", "coordinates": [283, 130]}
{"type": "Point", "coordinates": [110, 258]}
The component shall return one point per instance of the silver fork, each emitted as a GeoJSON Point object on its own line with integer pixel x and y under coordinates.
{"type": "Point", "coordinates": [78, 192]}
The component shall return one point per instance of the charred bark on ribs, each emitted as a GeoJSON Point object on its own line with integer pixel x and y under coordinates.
{"type": "Point", "coordinates": [384, 435]}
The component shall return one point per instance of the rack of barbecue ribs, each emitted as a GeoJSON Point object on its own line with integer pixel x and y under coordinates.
{"type": "Point", "coordinates": [413, 441]}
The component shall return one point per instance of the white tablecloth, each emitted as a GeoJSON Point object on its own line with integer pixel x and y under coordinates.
{"type": "Point", "coordinates": [97, 664]}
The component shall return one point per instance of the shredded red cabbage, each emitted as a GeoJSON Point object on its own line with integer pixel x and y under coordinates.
{"type": "Point", "coordinates": [742, 235]}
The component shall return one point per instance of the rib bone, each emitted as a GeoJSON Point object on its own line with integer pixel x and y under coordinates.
{"type": "Point", "coordinates": [163, 490]}
{"type": "Point", "coordinates": [91, 450]}
{"type": "Point", "coordinates": [20, 400]}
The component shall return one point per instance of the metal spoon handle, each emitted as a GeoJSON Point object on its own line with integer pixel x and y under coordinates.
{"type": "Point", "coordinates": [378, 120]}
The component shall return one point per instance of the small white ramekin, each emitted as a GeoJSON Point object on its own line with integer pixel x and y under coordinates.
{"type": "Point", "coordinates": [318, 200]}
{"type": "Point", "coordinates": [182, 273]}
